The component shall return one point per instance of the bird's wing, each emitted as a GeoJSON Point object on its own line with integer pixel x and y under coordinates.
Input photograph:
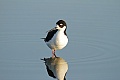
{"type": "Point", "coordinates": [50, 34]}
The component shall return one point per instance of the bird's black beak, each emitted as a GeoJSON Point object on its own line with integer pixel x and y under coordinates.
{"type": "Point", "coordinates": [55, 27]}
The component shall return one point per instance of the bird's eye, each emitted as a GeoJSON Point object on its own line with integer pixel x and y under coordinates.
{"type": "Point", "coordinates": [61, 25]}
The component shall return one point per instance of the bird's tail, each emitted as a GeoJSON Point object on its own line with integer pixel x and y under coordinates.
{"type": "Point", "coordinates": [42, 38]}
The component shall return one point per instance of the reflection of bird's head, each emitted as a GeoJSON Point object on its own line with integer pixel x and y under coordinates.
{"type": "Point", "coordinates": [56, 67]}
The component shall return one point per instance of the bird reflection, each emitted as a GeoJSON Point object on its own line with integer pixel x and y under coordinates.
{"type": "Point", "coordinates": [56, 67]}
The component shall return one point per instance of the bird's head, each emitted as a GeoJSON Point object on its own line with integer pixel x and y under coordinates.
{"type": "Point", "coordinates": [61, 25]}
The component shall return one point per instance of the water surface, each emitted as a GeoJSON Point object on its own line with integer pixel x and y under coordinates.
{"type": "Point", "coordinates": [93, 51]}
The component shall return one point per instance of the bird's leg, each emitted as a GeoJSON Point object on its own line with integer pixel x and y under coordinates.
{"type": "Point", "coordinates": [53, 53]}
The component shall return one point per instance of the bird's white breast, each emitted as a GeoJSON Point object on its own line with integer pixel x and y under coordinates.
{"type": "Point", "coordinates": [58, 41]}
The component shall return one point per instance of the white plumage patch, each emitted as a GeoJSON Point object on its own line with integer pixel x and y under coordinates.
{"type": "Point", "coordinates": [58, 41]}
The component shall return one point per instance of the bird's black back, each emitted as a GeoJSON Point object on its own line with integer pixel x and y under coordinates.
{"type": "Point", "coordinates": [50, 35]}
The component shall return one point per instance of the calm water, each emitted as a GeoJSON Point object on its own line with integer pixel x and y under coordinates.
{"type": "Point", "coordinates": [93, 51]}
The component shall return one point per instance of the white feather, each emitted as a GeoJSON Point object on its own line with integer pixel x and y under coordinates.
{"type": "Point", "coordinates": [59, 40]}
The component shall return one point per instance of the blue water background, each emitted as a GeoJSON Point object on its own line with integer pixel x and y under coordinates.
{"type": "Point", "coordinates": [93, 51]}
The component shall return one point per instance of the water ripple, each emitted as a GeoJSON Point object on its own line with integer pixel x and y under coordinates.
{"type": "Point", "coordinates": [105, 51]}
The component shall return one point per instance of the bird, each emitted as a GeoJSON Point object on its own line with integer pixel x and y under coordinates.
{"type": "Point", "coordinates": [56, 67]}
{"type": "Point", "coordinates": [57, 38]}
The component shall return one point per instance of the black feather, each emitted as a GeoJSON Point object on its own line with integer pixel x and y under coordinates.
{"type": "Point", "coordinates": [65, 75]}
{"type": "Point", "coordinates": [42, 38]}
{"type": "Point", "coordinates": [50, 35]}
{"type": "Point", "coordinates": [50, 73]}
